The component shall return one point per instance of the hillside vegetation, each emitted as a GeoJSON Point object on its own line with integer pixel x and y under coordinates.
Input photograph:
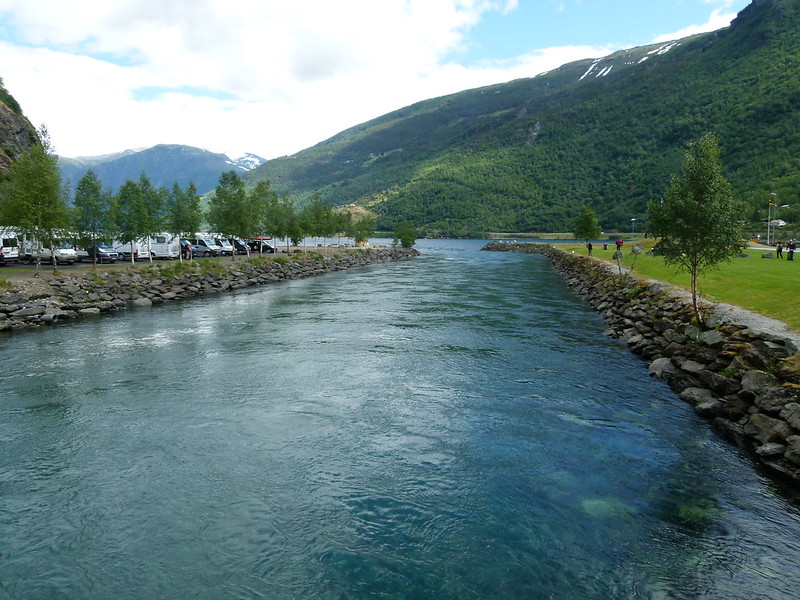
{"type": "Point", "coordinates": [525, 155]}
{"type": "Point", "coordinates": [164, 164]}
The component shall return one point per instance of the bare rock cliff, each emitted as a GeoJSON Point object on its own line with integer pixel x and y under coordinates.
{"type": "Point", "coordinates": [16, 132]}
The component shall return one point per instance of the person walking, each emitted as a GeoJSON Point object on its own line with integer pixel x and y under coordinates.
{"type": "Point", "coordinates": [589, 247]}
{"type": "Point", "coordinates": [778, 250]}
{"type": "Point", "coordinates": [619, 244]}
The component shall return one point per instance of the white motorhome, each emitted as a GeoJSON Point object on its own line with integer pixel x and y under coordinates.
{"type": "Point", "coordinates": [160, 245]}
{"type": "Point", "coordinates": [9, 251]}
{"type": "Point", "coordinates": [124, 249]}
{"type": "Point", "coordinates": [163, 245]}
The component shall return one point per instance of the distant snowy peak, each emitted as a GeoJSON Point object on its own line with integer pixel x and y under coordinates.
{"type": "Point", "coordinates": [248, 162]}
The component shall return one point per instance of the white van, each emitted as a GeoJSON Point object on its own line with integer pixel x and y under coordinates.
{"type": "Point", "coordinates": [65, 252]}
{"type": "Point", "coordinates": [226, 248]}
{"type": "Point", "coordinates": [206, 242]}
{"type": "Point", "coordinates": [9, 251]}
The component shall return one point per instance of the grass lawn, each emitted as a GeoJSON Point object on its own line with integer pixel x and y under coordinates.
{"type": "Point", "coordinates": [770, 287]}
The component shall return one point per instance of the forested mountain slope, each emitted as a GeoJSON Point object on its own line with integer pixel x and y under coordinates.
{"type": "Point", "coordinates": [524, 155]}
{"type": "Point", "coordinates": [164, 164]}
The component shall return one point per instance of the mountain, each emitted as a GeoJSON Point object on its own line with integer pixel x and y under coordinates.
{"type": "Point", "coordinates": [609, 132]}
{"type": "Point", "coordinates": [16, 132]}
{"type": "Point", "coordinates": [164, 165]}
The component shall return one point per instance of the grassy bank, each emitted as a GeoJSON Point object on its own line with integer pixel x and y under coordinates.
{"type": "Point", "coordinates": [769, 287]}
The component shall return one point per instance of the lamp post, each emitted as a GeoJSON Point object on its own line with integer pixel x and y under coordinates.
{"type": "Point", "coordinates": [769, 216]}
{"type": "Point", "coordinates": [633, 228]}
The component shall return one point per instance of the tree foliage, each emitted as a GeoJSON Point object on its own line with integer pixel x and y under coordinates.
{"type": "Point", "coordinates": [32, 199]}
{"type": "Point", "coordinates": [132, 219]}
{"type": "Point", "coordinates": [94, 211]}
{"type": "Point", "coordinates": [585, 225]}
{"type": "Point", "coordinates": [233, 212]}
{"type": "Point", "coordinates": [405, 234]}
{"type": "Point", "coordinates": [699, 222]}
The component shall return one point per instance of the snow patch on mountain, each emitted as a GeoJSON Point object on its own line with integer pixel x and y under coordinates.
{"type": "Point", "coordinates": [665, 48]}
{"type": "Point", "coordinates": [248, 162]}
{"type": "Point", "coordinates": [590, 69]}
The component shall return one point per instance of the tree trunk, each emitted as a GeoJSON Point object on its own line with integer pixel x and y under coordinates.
{"type": "Point", "coordinates": [694, 296]}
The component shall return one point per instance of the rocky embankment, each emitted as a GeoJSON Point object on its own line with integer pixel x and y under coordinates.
{"type": "Point", "coordinates": [52, 299]}
{"type": "Point", "coordinates": [740, 371]}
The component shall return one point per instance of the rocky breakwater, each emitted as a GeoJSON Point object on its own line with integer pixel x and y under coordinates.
{"type": "Point", "coordinates": [51, 299]}
{"type": "Point", "coordinates": [739, 371]}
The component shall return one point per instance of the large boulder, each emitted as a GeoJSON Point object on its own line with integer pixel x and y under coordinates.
{"type": "Point", "coordinates": [766, 429]}
{"type": "Point", "coordinates": [661, 368]}
{"type": "Point", "coordinates": [793, 449]}
{"type": "Point", "coordinates": [758, 381]}
{"type": "Point", "coordinates": [791, 414]}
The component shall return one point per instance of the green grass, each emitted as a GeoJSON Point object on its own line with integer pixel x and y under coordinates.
{"type": "Point", "coordinates": [770, 287]}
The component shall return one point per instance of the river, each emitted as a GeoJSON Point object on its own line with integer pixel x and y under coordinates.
{"type": "Point", "coordinates": [454, 426]}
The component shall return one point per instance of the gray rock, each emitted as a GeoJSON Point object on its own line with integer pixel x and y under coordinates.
{"type": "Point", "coordinates": [771, 450]}
{"type": "Point", "coordinates": [710, 408]}
{"type": "Point", "coordinates": [691, 366]}
{"type": "Point", "coordinates": [661, 368]}
{"type": "Point", "coordinates": [767, 429]}
{"type": "Point", "coordinates": [696, 396]}
{"type": "Point", "coordinates": [791, 414]}
{"type": "Point", "coordinates": [713, 338]}
{"type": "Point", "coordinates": [793, 449]}
{"type": "Point", "coordinates": [758, 381]}
{"type": "Point", "coordinates": [29, 311]}
{"type": "Point", "coordinates": [773, 400]}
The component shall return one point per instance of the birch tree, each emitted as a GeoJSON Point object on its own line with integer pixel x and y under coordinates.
{"type": "Point", "coordinates": [699, 223]}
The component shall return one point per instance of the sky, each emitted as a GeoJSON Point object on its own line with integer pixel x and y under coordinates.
{"type": "Point", "coordinates": [273, 77]}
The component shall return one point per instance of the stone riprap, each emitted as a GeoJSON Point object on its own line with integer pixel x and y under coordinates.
{"type": "Point", "coordinates": [58, 298]}
{"type": "Point", "coordinates": [742, 378]}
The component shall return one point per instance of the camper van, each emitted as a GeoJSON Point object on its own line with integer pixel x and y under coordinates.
{"type": "Point", "coordinates": [9, 252]}
{"type": "Point", "coordinates": [162, 245]}
{"type": "Point", "coordinates": [124, 249]}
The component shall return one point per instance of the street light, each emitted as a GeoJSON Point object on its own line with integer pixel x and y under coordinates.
{"type": "Point", "coordinates": [769, 213]}
{"type": "Point", "coordinates": [633, 223]}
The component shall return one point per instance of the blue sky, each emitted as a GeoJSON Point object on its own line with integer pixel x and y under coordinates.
{"type": "Point", "coordinates": [615, 23]}
{"type": "Point", "coordinates": [273, 77]}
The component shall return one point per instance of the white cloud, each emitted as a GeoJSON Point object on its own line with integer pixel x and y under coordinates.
{"type": "Point", "coordinates": [719, 18]}
{"type": "Point", "coordinates": [105, 75]}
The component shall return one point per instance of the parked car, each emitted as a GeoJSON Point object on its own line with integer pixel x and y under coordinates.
{"type": "Point", "coordinates": [240, 246]}
{"type": "Point", "coordinates": [63, 252]}
{"type": "Point", "coordinates": [101, 252]}
{"type": "Point", "coordinates": [260, 245]}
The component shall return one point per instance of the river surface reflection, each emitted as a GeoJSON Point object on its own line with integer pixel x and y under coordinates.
{"type": "Point", "coordinates": [455, 426]}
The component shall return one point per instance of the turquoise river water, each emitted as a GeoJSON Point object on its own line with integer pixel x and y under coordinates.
{"type": "Point", "coordinates": [457, 426]}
